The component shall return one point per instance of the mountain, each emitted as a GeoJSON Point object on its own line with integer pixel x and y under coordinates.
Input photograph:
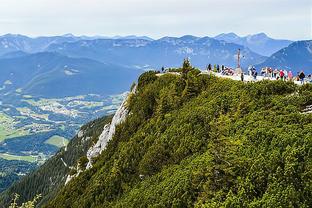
{"type": "Point", "coordinates": [53, 75]}
{"type": "Point", "coordinates": [259, 43]}
{"type": "Point", "coordinates": [12, 43]}
{"type": "Point", "coordinates": [189, 140]}
{"type": "Point", "coordinates": [296, 57]}
{"type": "Point", "coordinates": [167, 51]}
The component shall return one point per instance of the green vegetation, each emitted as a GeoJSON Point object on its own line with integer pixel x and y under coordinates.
{"type": "Point", "coordinates": [12, 170]}
{"type": "Point", "coordinates": [27, 158]}
{"type": "Point", "coordinates": [7, 129]}
{"type": "Point", "coordinates": [200, 141]}
{"type": "Point", "coordinates": [39, 181]}
{"type": "Point", "coordinates": [29, 204]}
{"type": "Point", "coordinates": [57, 141]}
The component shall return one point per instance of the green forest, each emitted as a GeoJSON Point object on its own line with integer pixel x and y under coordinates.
{"type": "Point", "coordinates": [195, 140]}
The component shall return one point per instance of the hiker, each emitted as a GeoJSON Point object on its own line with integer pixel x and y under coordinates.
{"type": "Point", "coordinates": [242, 76]}
{"type": "Point", "coordinates": [275, 72]}
{"type": "Point", "coordinates": [290, 76]}
{"type": "Point", "coordinates": [301, 77]}
{"type": "Point", "coordinates": [222, 69]}
{"type": "Point", "coordinates": [218, 68]}
{"type": "Point", "coordinates": [250, 71]}
{"type": "Point", "coordinates": [209, 67]}
{"type": "Point", "coordinates": [285, 74]}
{"type": "Point", "coordinates": [281, 74]}
{"type": "Point", "coordinates": [254, 73]}
{"type": "Point", "coordinates": [263, 72]}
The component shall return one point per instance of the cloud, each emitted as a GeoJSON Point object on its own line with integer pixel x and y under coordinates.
{"type": "Point", "coordinates": [279, 18]}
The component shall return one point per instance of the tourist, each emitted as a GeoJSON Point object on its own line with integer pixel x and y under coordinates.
{"type": "Point", "coordinates": [290, 76]}
{"type": "Point", "coordinates": [275, 73]}
{"type": "Point", "coordinates": [301, 77]}
{"type": "Point", "coordinates": [254, 73]}
{"type": "Point", "coordinates": [285, 74]}
{"type": "Point", "coordinates": [281, 75]}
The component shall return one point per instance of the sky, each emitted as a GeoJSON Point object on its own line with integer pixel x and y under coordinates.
{"type": "Point", "coordinates": [283, 19]}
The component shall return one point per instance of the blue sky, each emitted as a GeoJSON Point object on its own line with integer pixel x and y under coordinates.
{"type": "Point", "coordinates": [287, 19]}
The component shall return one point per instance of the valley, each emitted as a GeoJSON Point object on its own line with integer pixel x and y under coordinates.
{"type": "Point", "coordinates": [32, 129]}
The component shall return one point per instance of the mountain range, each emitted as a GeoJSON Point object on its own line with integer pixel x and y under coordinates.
{"type": "Point", "coordinates": [259, 43]}
{"type": "Point", "coordinates": [167, 51]}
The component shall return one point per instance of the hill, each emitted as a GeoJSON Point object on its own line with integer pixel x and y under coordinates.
{"type": "Point", "coordinates": [53, 75]}
{"type": "Point", "coordinates": [296, 57]}
{"type": "Point", "coordinates": [259, 43]}
{"type": "Point", "coordinates": [199, 141]}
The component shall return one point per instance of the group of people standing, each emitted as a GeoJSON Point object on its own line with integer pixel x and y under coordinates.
{"type": "Point", "coordinates": [282, 74]}
{"type": "Point", "coordinates": [266, 72]}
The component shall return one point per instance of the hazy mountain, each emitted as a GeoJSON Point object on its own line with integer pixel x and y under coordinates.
{"type": "Point", "coordinates": [11, 43]}
{"type": "Point", "coordinates": [167, 51]}
{"type": "Point", "coordinates": [54, 75]}
{"type": "Point", "coordinates": [259, 43]}
{"type": "Point", "coordinates": [297, 57]}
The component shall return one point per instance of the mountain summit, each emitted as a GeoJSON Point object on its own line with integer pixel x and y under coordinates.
{"type": "Point", "coordinates": [259, 43]}
{"type": "Point", "coordinates": [186, 139]}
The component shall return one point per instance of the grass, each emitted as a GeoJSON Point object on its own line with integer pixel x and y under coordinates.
{"type": "Point", "coordinates": [57, 141]}
{"type": "Point", "coordinates": [17, 157]}
{"type": "Point", "coordinates": [7, 129]}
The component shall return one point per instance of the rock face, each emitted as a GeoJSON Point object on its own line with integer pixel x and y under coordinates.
{"type": "Point", "coordinates": [107, 133]}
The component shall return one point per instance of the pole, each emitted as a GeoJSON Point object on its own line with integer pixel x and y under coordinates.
{"type": "Point", "coordinates": [238, 59]}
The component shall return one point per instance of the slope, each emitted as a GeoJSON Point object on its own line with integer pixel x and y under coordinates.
{"type": "Point", "coordinates": [51, 176]}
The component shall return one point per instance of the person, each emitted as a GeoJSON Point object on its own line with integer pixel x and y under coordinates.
{"type": "Point", "coordinates": [290, 76]}
{"type": "Point", "coordinates": [301, 77]}
{"type": "Point", "coordinates": [218, 68]}
{"type": "Point", "coordinates": [254, 73]}
{"type": "Point", "coordinates": [285, 74]}
{"type": "Point", "coordinates": [250, 70]}
{"type": "Point", "coordinates": [242, 76]}
{"type": "Point", "coordinates": [263, 72]}
{"type": "Point", "coordinates": [209, 67]}
{"type": "Point", "coordinates": [281, 75]}
{"type": "Point", "coordinates": [275, 72]}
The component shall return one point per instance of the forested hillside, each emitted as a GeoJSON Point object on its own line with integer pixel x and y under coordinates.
{"type": "Point", "coordinates": [51, 176]}
{"type": "Point", "coordinates": [200, 141]}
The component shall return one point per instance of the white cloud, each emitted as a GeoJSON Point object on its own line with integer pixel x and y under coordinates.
{"type": "Point", "coordinates": [279, 18]}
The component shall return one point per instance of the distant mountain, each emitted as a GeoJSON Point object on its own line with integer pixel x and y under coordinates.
{"type": "Point", "coordinates": [54, 75]}
{"type": "Point", "coordinates": [129, 37]}
{"type": "Point", "coordinates": [12, 43]}
{"type": "Point", "coordinates": [259, 43]}
{"type": "Point", "coordinates": [167, 51]}
{"type": "Point", "coordinates": [297, 57]}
